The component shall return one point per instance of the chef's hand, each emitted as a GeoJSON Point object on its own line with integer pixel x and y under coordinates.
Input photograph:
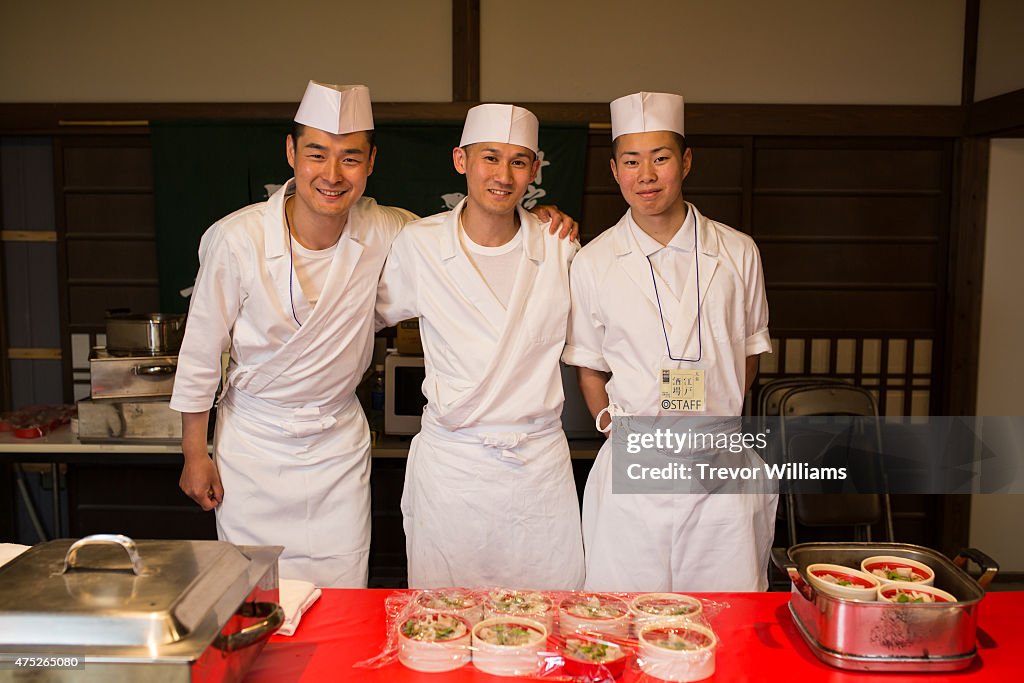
{"type": "Point", "coordinates": [201, 482]}
{"type": "Point", "coordinates": [561, 222]}
{"type": "Point", "coordinates": [199, 478]}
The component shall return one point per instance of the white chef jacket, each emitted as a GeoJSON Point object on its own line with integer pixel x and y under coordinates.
{"type": "Point", "coordinates": [695, 542]}
{"type": "Point", "coordinates": [489, 496]}
{"type": "Point", "coordinates": [291, 445]}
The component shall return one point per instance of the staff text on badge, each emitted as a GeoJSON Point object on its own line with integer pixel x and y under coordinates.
{"type": "Point", "coordinates": [683, 390]}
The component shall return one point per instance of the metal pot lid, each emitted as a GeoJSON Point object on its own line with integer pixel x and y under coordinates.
{"type": "Point", "coordinates": [110, 591]}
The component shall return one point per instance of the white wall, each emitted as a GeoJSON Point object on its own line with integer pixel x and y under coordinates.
{"type": "Point", "coordinates": [1000, 66]}
{"type": "Point", "coordinates": [1001, 363]}
{"type": "Point", "coordinates": [222, 50]}
{"type": "Point", "coordinates": [783, 51]}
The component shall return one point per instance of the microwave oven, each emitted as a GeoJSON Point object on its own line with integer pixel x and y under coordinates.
{"type": "Point", "coordinates": [403, 393]}
{"type": "Point", "coordinates": [404, 400]}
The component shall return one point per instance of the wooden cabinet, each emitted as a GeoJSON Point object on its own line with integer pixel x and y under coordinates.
{"type": "Point", "coordinates": [141, 501]}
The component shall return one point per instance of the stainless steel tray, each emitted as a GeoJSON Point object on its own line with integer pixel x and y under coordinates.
{"type": "Point", "coordinates": [879, 636]}
{"type": "Point", "coordinates": [119, 376]}
{"type": "Point", "coordinates": [180, 611]}
{"type": "Point", "coordinates": [128, 420]}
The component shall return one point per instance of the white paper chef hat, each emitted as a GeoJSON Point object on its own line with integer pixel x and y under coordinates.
{"type": "Point", "coordinates": [500, 123]}
{"type": "Point", "coordinates": [644, 112]}
{"type": "Point", "coordinates": [338, 109]}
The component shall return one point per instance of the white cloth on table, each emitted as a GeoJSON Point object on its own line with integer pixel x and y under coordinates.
{"type": "Point", "coordinates": [9, 551]}
{"type": "Point", "coordinates": [296, 598]}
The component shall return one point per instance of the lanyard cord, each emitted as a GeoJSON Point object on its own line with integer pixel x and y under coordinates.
{"type": "Point", "coordinates": [661, 313]}
{"type": "Point", "coordinates": [291, 267]}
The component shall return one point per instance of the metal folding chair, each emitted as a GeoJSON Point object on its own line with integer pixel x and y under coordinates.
{"type": "Point", "coordinates": [858, 510]}
{"type": "Point", "coordinates": [771, 393]}
{"type": "Point", "coordinates": [768, 398]}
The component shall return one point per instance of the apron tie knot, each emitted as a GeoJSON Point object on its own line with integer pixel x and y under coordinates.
{"type": "Point", "coordinates": [505, 443]}
{"type": "Point", "coordinates": [301, 428]}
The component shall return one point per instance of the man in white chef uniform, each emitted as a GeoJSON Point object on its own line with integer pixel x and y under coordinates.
{"type": "Point", "coordinates": [638, 290]}
{"type": "Point", "coordinates": [291, 284]}
{"type": "Point", "coordinates": [489, 496]}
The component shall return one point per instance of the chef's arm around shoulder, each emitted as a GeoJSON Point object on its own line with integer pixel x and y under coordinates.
{"type": "Point", "coordinates": [561, 222]}
{"type": "Point", "coordinates": [595, 395]}
{"type": "Point", "coordinates": [396, 289]}
{"type": "Point", "coordinates": [199, 477]}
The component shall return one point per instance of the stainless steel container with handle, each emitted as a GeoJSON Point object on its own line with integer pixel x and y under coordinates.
{"type": "Point", "coordinates": [148, 610]}
{"type": "Point", "coordinates": [145, 333]}
{"type": "Point", "coordinates": [128, 420]}
{"type": "Point", "coordinates": [114, 376]}
{"type": "Point", "coordinates": [883, 636]}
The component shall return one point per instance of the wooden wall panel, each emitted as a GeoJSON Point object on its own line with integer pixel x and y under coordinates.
{"type": "Point", "coordinates": [119, 213]}
{"type": "Point", "coordinates": [112, 259]}
{"type": "Point", "coordinates": [387, 536]}
{"type": "Point", "coordinates": [603, 204]}
{"type": "Point", "coordinates": [834, 168]}
{"type": "Point", "coordinates": [103, 162]}
{"type": "Point", "coordinates": [724, 208]}
{"type": "Point", "coordinates": [600, 212]}
{"type": "Point", "coordinates": [138, 501]}
{"type": "Point", "coordinates": [715, 166]}
{"type": "Point", "coordinates": [825, 217]}
{"type": "Point", "coordinates": [854, 236]}
{"type": "Point", "coordinates": [108, 227]}
{"type": "Point", "coordinates": [967, 267]}
{"type": "Point", "coordinates": [866, 263]}
{"type": "Point", "coordinates": [599, 152]}
{"type": "Point", "coordinates": [868, 313]}
{"type": "Point", "coordinates": [88, 303]}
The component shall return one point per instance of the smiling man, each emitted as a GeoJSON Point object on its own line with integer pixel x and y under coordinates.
{"type": "Point", "coordinates": [489, 496]}
{"type": "Point", "coordinates": [664, 296]}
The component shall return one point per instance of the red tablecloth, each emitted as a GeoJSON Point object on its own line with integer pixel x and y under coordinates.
{"type": "Point", "coordinates": [758, 643]}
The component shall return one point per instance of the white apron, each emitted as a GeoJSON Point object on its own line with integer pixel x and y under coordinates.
{"type": "Point", "coordinates": [675, 542]}
{"type": "Point", "coordinates": [658, 542]}
{"type": "Point", "coordinates": [489, 496]}
{"type": "Point", "coordinates": [299, 478]}
{"type": "Point", "coordinates": [492, 509]}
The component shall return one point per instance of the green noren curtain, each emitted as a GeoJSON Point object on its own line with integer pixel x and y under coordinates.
{"type": "Point", "coordinates": [206, 170]}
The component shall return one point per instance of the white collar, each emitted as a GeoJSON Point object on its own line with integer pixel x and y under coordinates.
{"type": "Point", "coordinates": [530, 228]}
{"type": "Point", "coordinates": [682, 240]}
